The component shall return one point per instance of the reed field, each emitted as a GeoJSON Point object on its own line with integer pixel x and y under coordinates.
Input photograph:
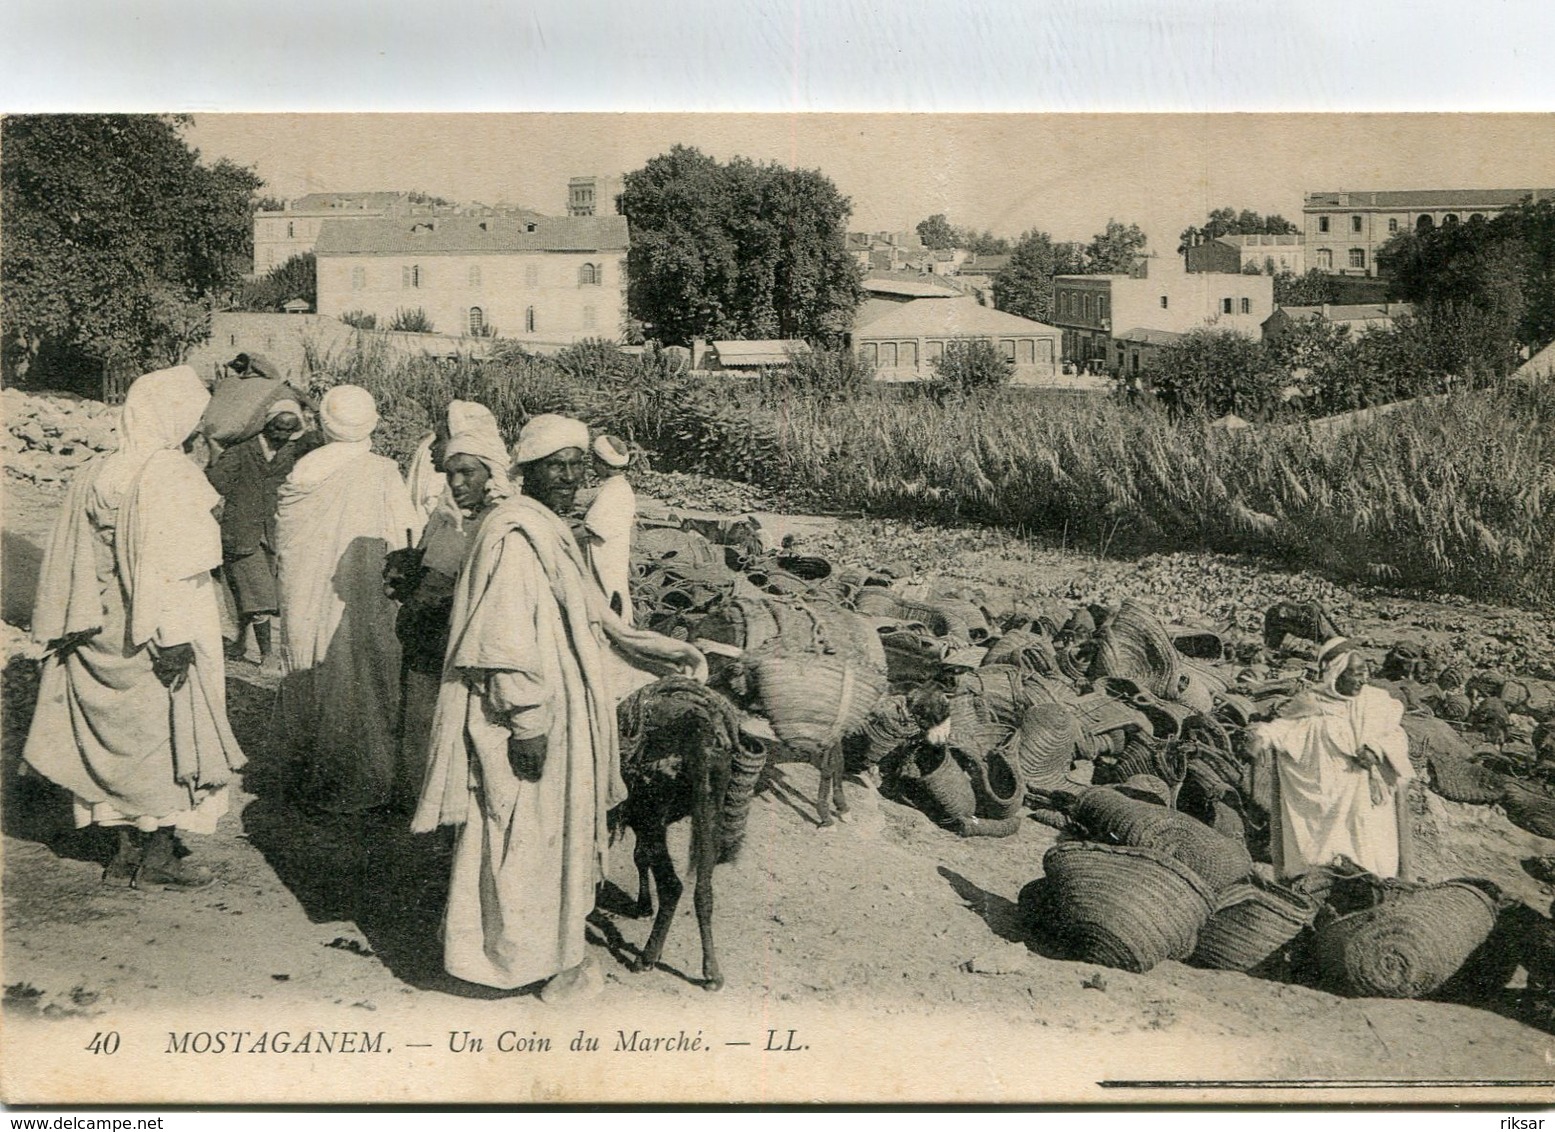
{"type": "Point", "coordinates": [1454, 494]}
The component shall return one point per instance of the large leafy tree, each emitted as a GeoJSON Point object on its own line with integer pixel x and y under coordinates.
{"type": "Point", "coordinates": [1230, 222]}
{"type": "Point", "coordinates": [936, 232]}
{"type": "Point", "coordinates": [738, 250]}
{"type": "Point", "coordinates": [1025, 285]}
{"type": "Point", "coordinates": [1497, 276]}
{"type": "Point", "coordinates": [297, 278]}
{"type": "Point", "coordinates": [1115, 250]}
{"type": "Point", "coordinates": [116, 238]}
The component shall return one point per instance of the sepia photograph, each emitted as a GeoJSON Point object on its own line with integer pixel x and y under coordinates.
{"type": "Point", "coordinates": [769, 608]}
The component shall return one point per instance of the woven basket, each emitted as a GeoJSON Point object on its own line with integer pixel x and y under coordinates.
{"type": "Point", "coordinates": [1529, 809]}
{"type": "Point", "coordinates": [1112, 817]}
{"type": "Point", "coordinates": [1044, 745]}
{"type": "Point", "coordinates": [945, 784]}
{"type": "Point", "coordinates": [887, 726]}
{"type": "Point", "coordinates": [1001, 688]}
{"type": "Point", "coordinates": [1407, 946]}
{"type": "Point", "coordinates": [1133, 644]}
{"type": "Point", "coordinates": [998, 784]}
{"type": "Point", "coordinates": [1100, 713]}
{"type": "Point", "coordinates": [1026, 649]}
{"type": "Point", "coordinates": [1251, 922]}
{"type": "Point", "coordinates": [912, 653]}
{"type": "Point", "coordinates": [1430, 737]}
{"type": "Point", "coordinates": [1305, 619]}
{"type": "Point", "coordinates": [1121, 906]}
{"type": "Point", "coordinates": [991, 827]}
{"type": "Point", "coordinates": [1201, 644]}
{"type": "Point", "coordinates": [1460, 780]}
{"type": "Point", "coordinates": [813, 699]}
{"type": "Point", "coordinates": [679, 549]}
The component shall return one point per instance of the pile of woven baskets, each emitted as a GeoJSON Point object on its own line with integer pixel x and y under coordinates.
{"type": "Point", "coordinates": [1041, 698]}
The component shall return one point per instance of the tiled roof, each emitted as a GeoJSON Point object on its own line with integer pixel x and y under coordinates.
{"type": "Point", "coordinates": [1423, 198]}
{"type": "Point", "coordinates": [949, 318]}
{"type": "Point", "coordinates": [453, 235]}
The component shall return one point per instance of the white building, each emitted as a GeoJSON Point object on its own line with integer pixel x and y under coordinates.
{"type": "Point", "coordinates": [543, 280]}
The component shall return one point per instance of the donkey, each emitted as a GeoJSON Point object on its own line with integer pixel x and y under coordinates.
{"type": "Point", "coordinates": [682, 756]}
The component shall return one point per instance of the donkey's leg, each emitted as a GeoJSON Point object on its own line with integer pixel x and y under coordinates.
{"type": "Point", "coordinates": [642, 857]}
{"type": "Point", "coordinates": [669, 888]}
{"type": "Point", "coordinates": [838, 796]}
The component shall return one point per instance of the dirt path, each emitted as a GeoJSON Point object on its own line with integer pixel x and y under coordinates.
{"type": "Point", "coordinates": [900, 941]}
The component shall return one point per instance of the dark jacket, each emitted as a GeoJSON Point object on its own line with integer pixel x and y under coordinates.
{"type": "Point", "coordinates": [249, 484]}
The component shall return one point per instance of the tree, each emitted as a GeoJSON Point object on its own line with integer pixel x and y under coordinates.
{"type": "Point", "coordinates": [742, 250]}
{"type": "Point", "coordinates": [1216, 372]}
{"type": "Point", "coordinates": [1115, 250]}
{"type": "Point", "coordinates": [1310, 290]}
{"type": "Point", "coordinates": [936, 232]}
{"type": "Point", "coordinates": [1229, 222]}
{"type": "Point", "coordinates": [117, 238]}
{"type": "Point", "coordinates": [1025, 285]}
{"type": "Point", "coordinates": [297, 278]}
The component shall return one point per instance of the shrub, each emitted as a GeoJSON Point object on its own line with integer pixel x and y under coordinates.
{"type": "Point", "coordinates": [415, 321]}
{"type": "Point", "coordinates": [1215, 372]}
{"type": "Point", "coordinates": [360, 319]}
{"type": "Point", "coordinates": [972, 363]}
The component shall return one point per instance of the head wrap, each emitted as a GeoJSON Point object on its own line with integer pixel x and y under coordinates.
{"type": "Point", "coordinates": [547, 434]}
{"type": "Point", "coordinates": [612, 451]}
{"type": "Point", "coordinates": [1332, 659]}
{"type": "Point", "coordinates": [348, 413]}
{"type": "Point", "coordinates": [160, 410]}
{"type": "Point", "coordinates": [486, 446]}
{"type": "Point", "coordinates": [469, 416]}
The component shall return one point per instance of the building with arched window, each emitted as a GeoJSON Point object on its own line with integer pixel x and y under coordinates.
{"type": "Point", "coordinates": [1343, 230]}
{"type": "Point", "coordinates": [546, 279]}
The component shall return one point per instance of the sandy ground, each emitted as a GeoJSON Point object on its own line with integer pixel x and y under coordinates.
{"type": "Point", "coordinates": [885, 918]}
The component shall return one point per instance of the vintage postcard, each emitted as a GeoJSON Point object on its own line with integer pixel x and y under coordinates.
{"type": "Point", "coordinates": [252, 857]}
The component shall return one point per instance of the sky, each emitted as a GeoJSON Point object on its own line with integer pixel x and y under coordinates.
{"type": "Point", "coordinates": [1066, 174]}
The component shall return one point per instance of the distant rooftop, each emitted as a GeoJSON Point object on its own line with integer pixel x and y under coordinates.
{"type": "Point", "coordinates": [1147, 336]}
{"type": "Point", "coordinates": [453, 235]}
{"type": "Point", "coordinates": [759, 352]}
{"type": "Point", "coordinates": [320, 202]}
{"type": "Point", "coordinates": [959, 317]}
{"type": "Point", "coordinates": [1353, 312]}
{"type": "Point", "coordinates": [908, 284]}
{"type": "Point", "coordinates": [1424, 198]}
{"type": "Point", "coordinates": [1260, 240]}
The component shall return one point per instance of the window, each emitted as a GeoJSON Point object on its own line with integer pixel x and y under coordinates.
{"type": "Point", "coordinates": [588, 275]}
{"type": "Point", "coordinates": [358, 278]}
{"type": "Point", "coordinates": [1088, 308]}
{"type": "Point", "coordinates": [1450, 220]}
{"type": "Point", "coordinates": [1163, 302]}
{"type": "Point", "coordinates": [529, 320]}
{"type": "Point", "coordinates": [888, 355]}
{"type": "Point", "coordinates": [1225, 306]}
{"type": "Point", "coordinates": [1247, 306]}
{"type": "Point", "coordinates": [1103, 307]}
{"type": "Point", "coordinates": [1007, 348]}
{"type": "Point", "coordinates": [475, 275]}
{"type": "Point", "coordinates": [935, 351]}
{"type": "Point", "coordinates": [870, 353]}
{"type": "Point", "coordinates": [1026, 352]}
{"type": "Point", "coordinates": [1325, 259]}
{"type": "Point", "coordinates": [1355, 224]}
{"type": "Point", "coordinates": [477, 320]}
{"type": "Point", "coordinates": [1357, 257]}
{"type": "Point", "coordinates": [1322, 223]}
{"type": "Point", "coordinates": [412, 276]}
{"type": "Point", "coordinates": [590, 318]}
{"type": "Point", "coordinates": [531, 275]}
{"type": "Point", "coordinates": [908, 354]}
{"type": "Point", "coordinates": [1392, 224]}
{"type": "Point", "coordinates": [291, 231]}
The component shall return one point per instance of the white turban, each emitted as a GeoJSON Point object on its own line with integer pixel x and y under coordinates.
{"type": "Point", "coordinates": [486, 446]}
{"type": "Point", "coordinates": [348, 413]}
{"type": "Point", "coordinates": [549, 433]}
{"type": "Point", "coordinates": [469, 416]}
{"type": "Point", "coordinates": [612, 450]}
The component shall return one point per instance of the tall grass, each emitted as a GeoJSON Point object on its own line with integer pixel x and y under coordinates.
{"type": "Point", "coordinates": [1457, 494]}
